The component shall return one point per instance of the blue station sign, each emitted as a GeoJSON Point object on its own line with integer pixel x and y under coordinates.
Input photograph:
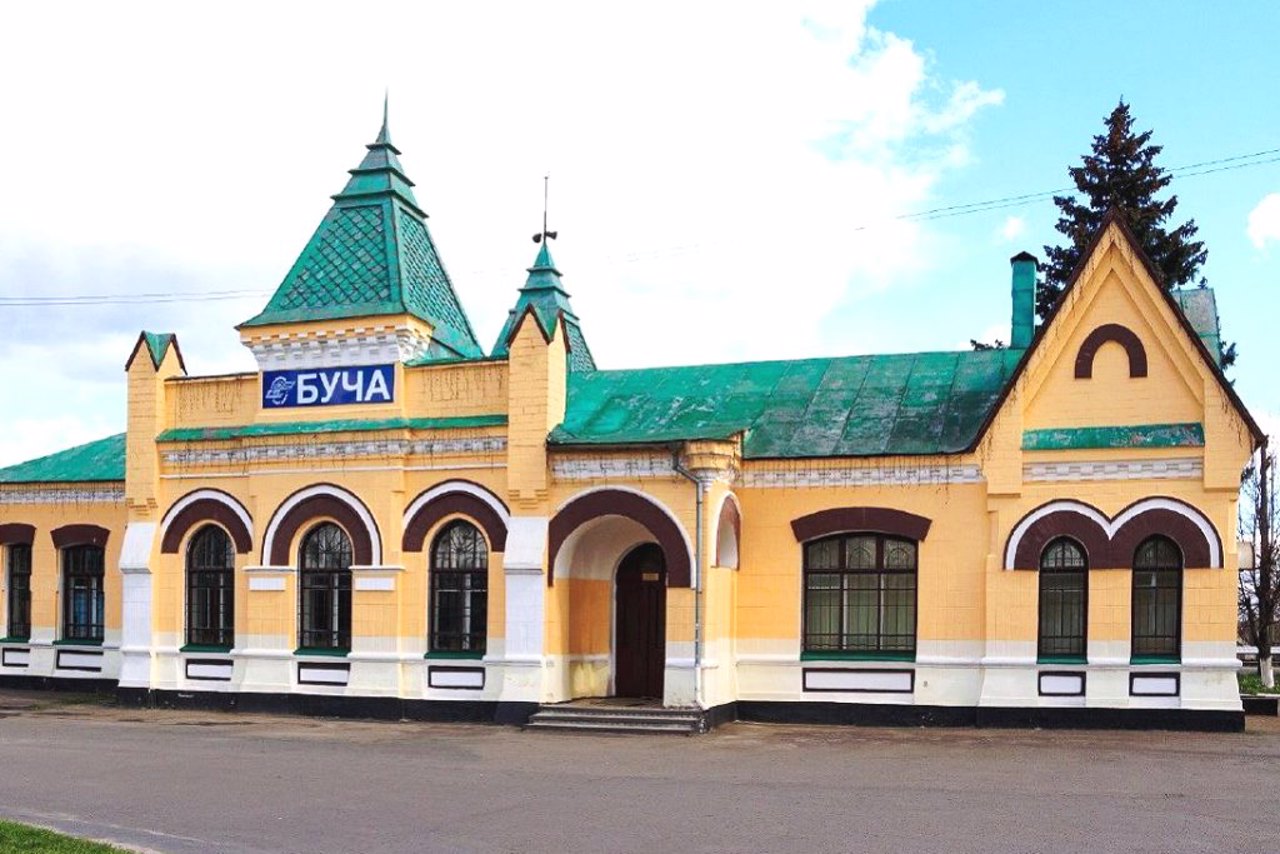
{"type": "Point", "coordinates": [328, 386]}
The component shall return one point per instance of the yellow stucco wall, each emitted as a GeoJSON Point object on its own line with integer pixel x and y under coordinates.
{"type": "Point", "coordinates": [46, 567]}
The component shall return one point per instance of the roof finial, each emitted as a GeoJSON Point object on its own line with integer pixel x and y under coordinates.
{"type": "Point", "coordinates": [544, 234]}
{"type": "Point", "coordinates": [384, 135]}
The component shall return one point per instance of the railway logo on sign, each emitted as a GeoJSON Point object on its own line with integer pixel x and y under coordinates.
{"type": "Point", "coordinates": [328, 386]}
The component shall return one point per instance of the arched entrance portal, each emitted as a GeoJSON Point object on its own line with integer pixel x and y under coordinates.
{"type": "Point", "coordinates": [640, 622]}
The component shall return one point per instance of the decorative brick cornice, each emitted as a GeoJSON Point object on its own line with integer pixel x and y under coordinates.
{"type": "Point", "coordinates": [613, 468]}
{"type": "Point", "coordinates": [318, 348]}
{"type": "Point", "coordinates": [1179, 468]}
{"type": "Point", "coordinates": [105, 494]}
{"type": "Point", "coordinates": [335, 450]}
{"type": "Point", "coordinates": [887, 475]}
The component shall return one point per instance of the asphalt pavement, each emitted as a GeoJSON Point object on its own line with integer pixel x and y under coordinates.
{"type": "Point", "coordinates": [196, 782]}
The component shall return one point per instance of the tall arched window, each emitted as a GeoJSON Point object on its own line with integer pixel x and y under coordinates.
{"type": "Point", "coordinates": [82, 599]}
{"type": "Point", "coordinates": [1064, 602]}
{"type": "Point", "coordinates": [19, 591]}
{"type": "Point", "coordinates": [211, 588]}
{"type": "Point", "coordinates": [860, 595]}
{"type": "Point", "coordinates": [459, 589]}
{"type": "Point", "coordinates": [325, 570]}
{"type": "Point", "coordinates": [1157, 600]}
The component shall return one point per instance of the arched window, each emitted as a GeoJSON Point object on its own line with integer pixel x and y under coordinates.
{"type": "Point", "coordinates": [82, 599]}
{"type": "Point", "coordinates": [325, 570]}
{"type": "Point", "coordinates": [1157, 600]}
{"type": "Point", "coordinates": [211, 588]}
{"type": "Point", "coordinates": [860, 596]}
{"type": "Point", "coordinates": [1064, 602]}
{"type": "Point", "coordinates": [19, 591]}
{"type": "Point", "coordinates": [459, 589]}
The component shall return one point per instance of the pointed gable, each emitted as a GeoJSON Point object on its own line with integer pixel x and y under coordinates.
{"type": "Point", "coordinates": [1118, 363]}
{"type": "Point", "coordinates": [544, 296]}
{"type": "Point", "coordinates": [157, 347]}
{"type": "Point", "coordinates": [373, 255]}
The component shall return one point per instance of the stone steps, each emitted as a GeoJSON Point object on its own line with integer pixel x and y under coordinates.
{"type": "Point", "coordinates": [619, 719]}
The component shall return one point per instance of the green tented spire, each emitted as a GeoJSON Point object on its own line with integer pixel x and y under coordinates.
{"type": "Point", "coordinates": [373, 255]}
{"type": "Point", "coordinates": [545, 295]}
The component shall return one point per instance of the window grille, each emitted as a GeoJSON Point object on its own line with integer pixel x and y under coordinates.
{"type": "Point", "coordinates": [860, 595]}
{"type": "Point", "coordinates": [459, 589]}
{"type": "Point", "coordinates": [82, 595]}
{"type": "Point", "coordinates": [1157, 599]}
{"type": "Point", "coordinates": [19, 591]}
{"type": "Point", "coordinates": [325, 575]}
{"type": "Point", "coordinates": [1064, 597]}
{"type": "Point", "coordinates": [211, 588]}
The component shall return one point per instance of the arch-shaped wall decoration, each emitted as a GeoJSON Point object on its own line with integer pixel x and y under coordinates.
{"type": "Point", "coordinates": [728, 532]}
{"type": "Point", "coordinates": [79, 535]}
{"type": "Point", "coordinates": [324, 500]}
{"type": "Point", "coordinates": [456, 497]}
{"type": "Point", "coordinates": [1179, 521]}
{"type": "Point", "coordinates": [1123, 336]}
{"type": "Point", "coordinates": [844, 520]}
{"type": "Point", "coordinates": [206, 505]}
{"type": "Point", "coordinates": [17, 534]}
{"type": "Point", "coordinates": [615, 501]}
{"type": "Point", "coordinates": [1111, 542]}
{"type": "Point", "coordinates": [1084, 523]}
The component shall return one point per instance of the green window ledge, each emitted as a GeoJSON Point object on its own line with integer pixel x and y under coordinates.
{"type": "Point", "coordinates": [1062, 659]}
{"type": "Point", "coordinates": [205, 647]}
{"type": "Point", "coordinates": [1156, 659]}
{"type": "Point", "coordinates": [836, 655]}
{"type": "Point", "coordinates": [83, 642]}
{"type": "Point", "coordinates": [456, 655]}
{"type": "Point", "coordinates": [15, 640]}
{"type": "Point", "coordinates": [322, 651]}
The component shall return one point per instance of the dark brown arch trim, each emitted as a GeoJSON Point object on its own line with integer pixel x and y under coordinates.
{"type": "Point", "coordinates": [617, 502]}
{"type": "Point", "coordinates": [79, 535]}
{"type": "Point", "coordinates": [449, 504]}
{"type": "Point", "coordinates": [316, 507]}
{"type": "Point", "coordinates": [1123, 336]}
{"type": "Point", "coordinates": [17, 534]}
{"type": "Point", "coordinates": [1091, 536]}
{"type": "Point", "coordinates": [206, 510]}
{"type": "Point", "coordinates": [843, 520]}
{"type": "Point", "coordinates": [1195, 547]}
{"type": "Point", "coordinates": [729, 512]}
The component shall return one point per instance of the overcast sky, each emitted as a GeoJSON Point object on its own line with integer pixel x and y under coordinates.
{"type": "Point", "coordinates": [726, 178]}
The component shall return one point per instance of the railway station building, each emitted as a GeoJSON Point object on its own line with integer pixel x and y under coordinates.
{"type": "Point", "coordinates": [387, 518]}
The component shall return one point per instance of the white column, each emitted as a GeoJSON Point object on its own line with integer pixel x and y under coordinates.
{"type": "Point", "coordinates": [135, 617]}
{"type": "Point", "coordinates": [526, 582]}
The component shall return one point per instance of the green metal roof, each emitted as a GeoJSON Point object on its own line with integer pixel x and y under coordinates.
{"type": "Point", "coordinates": [345, 425]}
{"type": "Point", "coordinates": [911, 403]}
{"type": "Point", "coordinates": [1200, 307]}
{"type": "Point", "coordinates": [102, 460]}
{"type": "Point", "coordinates": [544, 295]}
{"type": "Point", "coordinates": [157, 343]}
{"type": "Point", "coordinates": [373, 255]}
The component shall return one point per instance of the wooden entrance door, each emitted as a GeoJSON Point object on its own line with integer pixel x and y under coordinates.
{"type": "Point", "coordinates": [640, 623]}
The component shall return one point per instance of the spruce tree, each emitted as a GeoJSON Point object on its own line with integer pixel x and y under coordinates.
{"type": "Point", "coordinates": [1121, 173]}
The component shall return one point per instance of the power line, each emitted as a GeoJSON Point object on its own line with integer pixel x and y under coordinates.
{"type": "Point", "coordinates": [1190, 170]}
{"type": "Point", "coordinates": [128, 299]}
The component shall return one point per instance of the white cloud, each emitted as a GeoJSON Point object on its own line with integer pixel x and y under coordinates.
{"type": "Point", "coordinates": [713, 165]}
{"type": "Point", "coordinates": [1013, 228]}
{"type": "Point", "coordinates": [1264, 221]}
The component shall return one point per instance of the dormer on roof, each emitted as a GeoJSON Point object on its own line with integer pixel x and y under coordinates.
{"type": "Point", "coordinates": [544, 295]}
{"type": "Point", "coordinates": [369, 287]}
